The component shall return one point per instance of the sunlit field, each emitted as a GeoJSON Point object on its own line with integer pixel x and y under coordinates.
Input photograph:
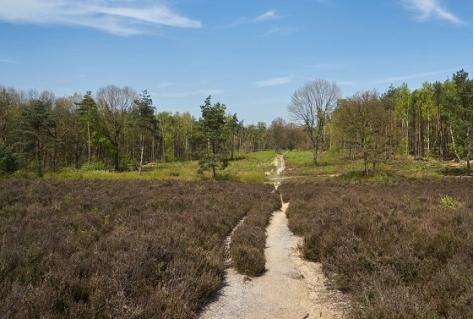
{"type": "Point", "coordinates": [300, 163]}
{"type": "Point", "coordinates": [250, 167]}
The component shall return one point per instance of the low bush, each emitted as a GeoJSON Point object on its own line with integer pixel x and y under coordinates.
{"type": "Point", "coordinates": [248, 260]}
{"type": "Point", "coordinates": [118, 249]}
{"type": "Point", "coordinates": [92, 166]}
{"type": "Point", "coordinates": [393, 247]}
{"type": "Point", "coordinates": [247, 247]}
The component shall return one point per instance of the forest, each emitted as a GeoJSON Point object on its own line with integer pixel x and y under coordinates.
{"type": "Point", "coordinates": [117, 128]}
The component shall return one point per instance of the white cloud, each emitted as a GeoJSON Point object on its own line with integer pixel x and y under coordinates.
{"type": "Point", "coordinates": [430, 8]}
{"type": "Point", "coordinates": [273, 81]}
{"type": "Point", "coordinates": [128, 19]}
{"type": "Point", "coordinates": [269, 15]}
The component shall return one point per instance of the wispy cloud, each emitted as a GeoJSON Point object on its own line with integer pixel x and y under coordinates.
{"type": "Point", "coordinates": [280, 31]}
{"type": "Point", "coordinates": [431, 9]}
{"type": "Point", "coordinates": [269, 15]}
{"type": "Point", "coordinates": [131, 18]}
{"type": "Point", "coordinates": [273, 81]}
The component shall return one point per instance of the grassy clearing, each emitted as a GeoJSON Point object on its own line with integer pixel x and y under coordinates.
{"type": "Point", "coordinates": [248, 168]}
{"type": "Point", "coordinates": [120, 249]}
{"type": "Point", "coordinates": [299, 163]}
{"type": "Point", "coordinates": [399, 249]}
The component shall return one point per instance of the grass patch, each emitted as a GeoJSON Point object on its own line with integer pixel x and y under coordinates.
{"type": "Point", "coordinates": [300, 163]}
{"type": "Point", "coordinates": [455, 171]}
{"type": "Point", "coordinates": [248, 168]}
{"type": "Point", "coordinates": [449, 203]}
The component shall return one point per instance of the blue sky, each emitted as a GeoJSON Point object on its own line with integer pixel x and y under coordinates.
{"type": "Point", "coordinates": [249, 55]}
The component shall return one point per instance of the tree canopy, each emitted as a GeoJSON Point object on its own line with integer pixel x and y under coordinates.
{"type": "Point", "coordinates": [117, 128]}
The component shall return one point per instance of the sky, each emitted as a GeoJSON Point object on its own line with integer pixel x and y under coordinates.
{"type": "Point", "coordinates": [249, 55]}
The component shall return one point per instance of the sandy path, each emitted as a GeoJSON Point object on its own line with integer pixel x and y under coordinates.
{"type": "Point", "coordinates": [290, 288]}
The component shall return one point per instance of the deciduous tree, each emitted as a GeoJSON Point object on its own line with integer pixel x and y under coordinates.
{"type": "Point", "coordinates": [361, 121]}
{"type": "Point", "coordinates": [114, 105]}
{"type": "Point", "coordinates": [311, 106]}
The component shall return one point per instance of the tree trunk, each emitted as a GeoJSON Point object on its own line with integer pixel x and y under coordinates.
{"type": "Point", "coordinates": [468, 165]}
{"type": "Point", "coordinates": [116, 161]}
{"type": "Point", "coordinates": [88, 143]}
{"type": "Point", "coordinates": [214, 176]}
{"type": "Point", "coordinates": [38, 159]}
{"type": "Point", "coordinates": [142, 139]}
{"type": "Point", "coordinates": [454, 144]}
{"type": "Point", "coordinates": [315, 156]}
{"type": "Point", "coordinates": [366, 165]}
{"type": "Point", "coordinates": [314, 142]}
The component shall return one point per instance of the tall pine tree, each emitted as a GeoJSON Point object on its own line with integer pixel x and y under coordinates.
{"type": "Point", "coordinates": [212, 127]}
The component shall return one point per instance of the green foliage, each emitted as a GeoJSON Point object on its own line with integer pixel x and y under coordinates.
{"type": "Point", "coordinates": [8, 160]}
{"type": "Point", "coordinates": [361, 122]}
{"type": "Point", "coordinates": [93, 166]}
{"type": "Point", "coordinates": [115, 125]}
{"type": "Point", "coordinates": [449, 203]}
{"type": "Point", "coordinates": [114, 106]}
{"type": "Point", "coordinates": [38, 131]}
{"type": "Point", "coordinates": [144, 113]}
{"type": "Point", "coordinates": [212, 128]}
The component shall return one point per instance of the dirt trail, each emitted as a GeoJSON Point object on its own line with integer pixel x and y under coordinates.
{"type": "Point", "coordinates": [290, 288]}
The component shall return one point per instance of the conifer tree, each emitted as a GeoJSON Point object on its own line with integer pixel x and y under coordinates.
{"type": "Point", "coordinates": [212, 127]}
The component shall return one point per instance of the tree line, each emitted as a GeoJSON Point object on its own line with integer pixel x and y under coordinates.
{"type": "Point", "coordinates": [434, 121]}
{"type": "Point", "coordinates": [118, 128]}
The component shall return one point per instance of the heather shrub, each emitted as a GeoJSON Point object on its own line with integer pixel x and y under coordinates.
{"type": "Point", "coordinates": [394, 248]}
{"type": "Point", "coordinates": [248, 260]}
{"type": "Point", "coordinates": [117, 249]}
{"type": "Point", "coordinates": [247, 247]}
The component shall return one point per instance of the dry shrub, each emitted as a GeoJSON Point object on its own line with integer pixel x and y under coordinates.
{"type": "Point", "coordinates": [392, 247]}
{"type": "Point", "coordinates": [117, 249]}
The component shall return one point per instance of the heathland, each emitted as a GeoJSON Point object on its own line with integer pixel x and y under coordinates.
{"type": "Point", "coordinates": [99, 244]}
